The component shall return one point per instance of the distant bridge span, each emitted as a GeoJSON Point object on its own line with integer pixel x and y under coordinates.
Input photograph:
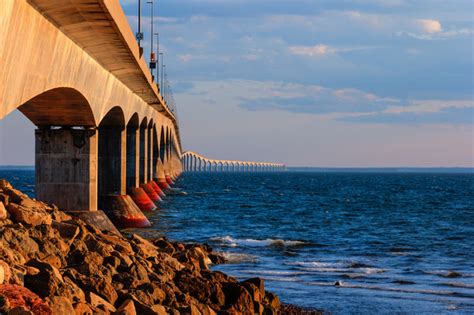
{"type": "Point", "coordinates": [194, 162]}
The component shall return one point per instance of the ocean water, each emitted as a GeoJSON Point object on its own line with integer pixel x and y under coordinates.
{"type": "Point", "coordinates": [374, 243]}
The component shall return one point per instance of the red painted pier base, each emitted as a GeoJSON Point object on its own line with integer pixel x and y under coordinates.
{"type": "Point", "coordinates": [163, 184]}
{"type": "Point", "coordinates": [169, 180]}
{"type": "Point", "coordinates": [124, 212]}
{"type": "Point", "coordinates": [151, 192]}
{"type": "Point", "coordinates": [157, 189]}
{"type": "Point", "coordinates": [140, 197]}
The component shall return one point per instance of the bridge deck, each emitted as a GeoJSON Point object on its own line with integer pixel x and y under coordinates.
{"type": "Point", "coordinates": [102, 30]}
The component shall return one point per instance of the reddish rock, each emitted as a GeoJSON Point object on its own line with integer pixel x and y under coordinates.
{"type": "Point", "coordinates": [19, 296]}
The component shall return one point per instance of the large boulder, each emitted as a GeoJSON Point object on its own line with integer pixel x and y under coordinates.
{"type": "Point", "coordinates": [28, 216]}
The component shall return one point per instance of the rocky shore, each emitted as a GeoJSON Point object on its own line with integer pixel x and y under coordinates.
{"type": "Point", "coordinates": [52, 263]}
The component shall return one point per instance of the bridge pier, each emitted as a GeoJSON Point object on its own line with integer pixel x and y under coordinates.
{"type": "Point", "coordinates": [66, 167]}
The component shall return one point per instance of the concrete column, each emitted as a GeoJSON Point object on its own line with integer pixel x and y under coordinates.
{"type": "Point", "coordinates": [133, 149]}
{"type": "Point", "coordinates": [112, 162]}
{"type": "Point", "coordinates": [149, 160]}
{"type": "Point", "coordinates": [66, 168]}
{"type": "Point", "coordinates": [143, 155]}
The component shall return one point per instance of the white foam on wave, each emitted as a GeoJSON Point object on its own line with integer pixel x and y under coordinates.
{"type": "Point", "coordinates": [237, 258]}
{"type": "Point", "coordinates": [248, 242]}
{"type": "Point", "coordinates": [274, 272]}
{"type": "Point", "coordinates": [342, 284]}
{"type": "Point", "coordinates": [334, 267]}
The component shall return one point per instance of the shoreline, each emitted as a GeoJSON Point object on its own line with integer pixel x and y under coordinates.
{"type": "Point", "coordinates": [53, 263]}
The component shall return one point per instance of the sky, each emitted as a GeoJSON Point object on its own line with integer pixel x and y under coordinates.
{"type": "Point", "coordinates": [328, 83]}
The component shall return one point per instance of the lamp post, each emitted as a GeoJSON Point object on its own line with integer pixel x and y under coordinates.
{"type": "Point", "coordinates": [158, 56]}
{"type": "Point", "coordinates": [152, 54]}
{"type": "Point", "coordinates": [139, 34]}
{"type": "Point", "coordinates": [163, 69]}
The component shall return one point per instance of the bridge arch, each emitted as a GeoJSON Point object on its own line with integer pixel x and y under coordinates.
{"type": "Point", "coordinates": [71, 108]}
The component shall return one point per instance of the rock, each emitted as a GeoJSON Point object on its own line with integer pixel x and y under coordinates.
{"type": "Point", "coordinates": [61, 305]}
{"type": "Point", "coordinates": [47, 282]}
{"type": "Point", "coordinates": [4, 198]}
{"type": "Point", "coordinates": [272, 300]}
{"type": "Point", "coordinates": [4, 304]}
{"type": "Point", "coordinates": [144, 247]}
{"type": "Point", "coordinates": [5, 272]}
{"type": "Point", "coordinates": [126, 308]}
{"type": "Point", "coordinates": [66, 230]}
{"type": "Point", "coordinates": [237, 297]}
{"type": "Point", "coordinates": [144, 309]}
{"type": "Point", "coordinates": [253, 291]}
{"type": "Point", "coordinates": [258, 282]}
{"type": "Point", "coordinates": [26, 216]}
{"type": "Point", "coordinates": [159, 309]}
{"type": "Point", "coordinates": [98, 302]}
{"type": "Point", "coordinates": [82, 309]}
{"type": "Point", "coordinates": [2, 274]}
{"type": "Point", "coordinates": [20, 310]}
{"type": "Point", "coordinates": [19, 296]}
{"type": "Point", "coordinates": [4, 184]}
{"type": "Point", "coordinates": [3, 211]}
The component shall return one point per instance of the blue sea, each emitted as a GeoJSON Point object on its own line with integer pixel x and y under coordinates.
{"type": "Point", "coordinates": [340, 241]}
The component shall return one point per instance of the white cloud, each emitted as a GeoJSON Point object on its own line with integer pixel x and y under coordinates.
{"type": "Point", "coordinates": [430, 26]}
{"type": "Point", "coordinates": [323, 49]}
{"type": "Point", "coordinates": [317, 50]}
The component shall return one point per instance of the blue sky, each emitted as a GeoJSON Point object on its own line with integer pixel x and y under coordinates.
{"type": "Point", "coordinates": [321, 83]}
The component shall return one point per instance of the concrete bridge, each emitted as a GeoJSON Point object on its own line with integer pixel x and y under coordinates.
{"type": "Point", "coordinates": [194, 162]}
{"type": "Point", "coordinates": [104, 131]}
{"type": "Point", "coordinates": [106, 138]}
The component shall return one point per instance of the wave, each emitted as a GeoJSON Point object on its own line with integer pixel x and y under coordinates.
{"type": "Point", "coordinates": [342, 284]}
{"type": "Point", "coordinates": [236, 258]}
{"type": "Point", "coordinates": [459, 285]}
{"type": "Point", "coordinates": [248, 242]}
{"type": "Point", "coordinates": [349, 269]}
{"type": "Point", "coordinates": [444, 273]}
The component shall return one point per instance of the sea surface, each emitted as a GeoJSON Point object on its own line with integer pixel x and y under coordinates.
{"type": "Point", "coordinates": [344, 242]}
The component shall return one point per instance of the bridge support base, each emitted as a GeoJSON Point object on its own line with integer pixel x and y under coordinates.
{"type": "Point", "coordinates": [141, 199]}
{"type": "Point", "coordinates": [124, 212]}
{"type": "Point", "coordinates": [151, 192]}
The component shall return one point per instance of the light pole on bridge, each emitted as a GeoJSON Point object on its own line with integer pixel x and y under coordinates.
{"type": "Point", "coordinates": [152, 54]}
